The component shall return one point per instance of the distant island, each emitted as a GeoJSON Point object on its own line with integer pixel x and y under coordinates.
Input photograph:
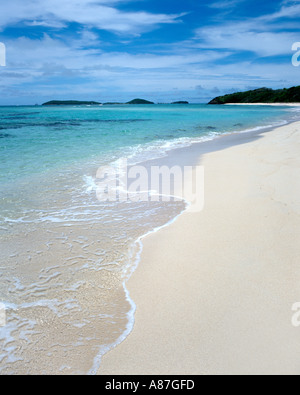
{"type": "Point", "coordinates": [262, 95]}
{"type": "Point", "coordinates": [91, 103]}
{"type": "Point", "coordinates": [70, 103]}
{"type": "Point", "coordinates": [140, 101]}
{"type": "Point", "coordinates": [95, 103]}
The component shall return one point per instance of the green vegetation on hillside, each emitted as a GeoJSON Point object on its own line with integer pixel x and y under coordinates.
{"type": "Point", "coordinates": [140, 101]}
{"type": "Point", "coordinates": [93, 103]}
{"type": "Point", "coordinates": [70, 103]}
{"type": "Point", "coordinates": [263, 95]}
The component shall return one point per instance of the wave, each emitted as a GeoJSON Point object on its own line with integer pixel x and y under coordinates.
{"type": "Point", "coordinates": [87, 212]}
{"type": "Point", "coordinates": [160, 148]}
{"type": "Point", "coordinates": [139, 154]}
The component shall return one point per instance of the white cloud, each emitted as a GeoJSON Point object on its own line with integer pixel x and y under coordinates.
{"type": "Point", "coordinates": [289, 11]}
{"type": "Point", "coordinates": [225, 4]}
{"type": "Point", "coordinates": [267, 35]}
{"type": "Point", "coordinates": [86, 52]}
{"type": "Point", "coordinates": [60, 65]}
{"type": "Point", "coordinates": [243, 37]}
{"type": "Point", "coordinates": [115, 72]}
{"type": "Point", "coordinates": [100, 14]}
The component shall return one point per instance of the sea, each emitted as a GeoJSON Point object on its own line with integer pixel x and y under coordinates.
{"type": "Point", "coordinates": [65, 254]}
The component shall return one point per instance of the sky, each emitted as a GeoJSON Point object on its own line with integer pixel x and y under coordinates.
{"type": "Point", "coordinates": [160, 50]}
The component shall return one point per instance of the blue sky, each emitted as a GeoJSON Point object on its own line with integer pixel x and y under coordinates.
{"type": "Point", "coordinates": [161, 50]}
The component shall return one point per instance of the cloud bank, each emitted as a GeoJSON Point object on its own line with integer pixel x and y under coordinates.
{"type": "Point", "coordinates": [113, 50]}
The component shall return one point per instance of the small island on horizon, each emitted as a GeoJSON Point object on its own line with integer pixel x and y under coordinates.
{"type": "Point", "coordinates": [91, 103]}
{"type": "Point", "coordinates": [262, 95]}
{"type": "Point", "coordinates": [94, 103]}
{"type": "Point", "coordinates": [70, 103]}
{"type": "Point", "coordinates": [139, 101]}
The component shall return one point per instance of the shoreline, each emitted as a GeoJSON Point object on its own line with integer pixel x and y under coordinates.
{"type": "Point", "coordinates": [72, 253]}
{"type": "Point", "coordinates": [264, 104]}
{"type": "Point", "coordinates": [112, 361]}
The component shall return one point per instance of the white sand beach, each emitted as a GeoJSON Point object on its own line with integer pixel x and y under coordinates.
{"type": "Point", "coordinates": [214, 290]}
{"type": "Point", "coordinates": [264, 104]}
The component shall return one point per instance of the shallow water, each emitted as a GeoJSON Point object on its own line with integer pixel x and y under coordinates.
{"type": "Point", "coordinates": [65, 255]}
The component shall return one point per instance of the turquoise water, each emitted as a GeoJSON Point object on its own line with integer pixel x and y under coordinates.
{"type": "Point", "coordinates": [39, 139]}
{"type": "Point", "coordinates": [64, 254]}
